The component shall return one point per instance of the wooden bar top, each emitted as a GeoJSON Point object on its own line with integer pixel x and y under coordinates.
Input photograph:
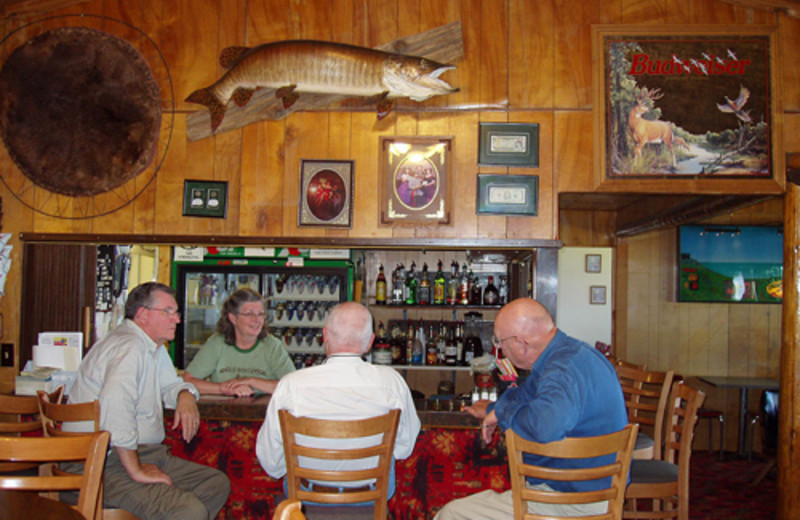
{"type": "Point", "coordinates": [227, 408]}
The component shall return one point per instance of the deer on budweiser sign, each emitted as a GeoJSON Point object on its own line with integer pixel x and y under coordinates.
{"type": "Point", "coordinates": [646, 131]}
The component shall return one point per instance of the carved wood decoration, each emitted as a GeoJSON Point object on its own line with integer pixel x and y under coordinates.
{"type": "Point", "coordinates": [443, 44]}
{"type": "Point", "coordinates": [80, 111]}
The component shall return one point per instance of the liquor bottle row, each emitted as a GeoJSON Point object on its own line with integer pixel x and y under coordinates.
{"type": "Point", "coordinates": [427, 343]}
{"type": "Point", "coordinates": [412, 287]}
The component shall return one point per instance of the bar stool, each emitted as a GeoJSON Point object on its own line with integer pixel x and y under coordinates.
{"type": "Point", "coordinates": [710, 414]}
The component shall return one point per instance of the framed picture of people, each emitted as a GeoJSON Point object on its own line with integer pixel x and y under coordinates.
{"type": "Point", "coordinates": [326, 193]}
{"type": "Point", "coordinates": [414, 180]}
{"type": "Point", "coordinates": [685, 102]}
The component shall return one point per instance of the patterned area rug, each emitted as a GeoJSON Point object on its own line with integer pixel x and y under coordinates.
{"type": "Point", "coordinates": [723, 489]}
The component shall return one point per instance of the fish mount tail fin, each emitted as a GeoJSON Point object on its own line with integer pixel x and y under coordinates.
{"type": "Point", "coordinates": [205, 97]}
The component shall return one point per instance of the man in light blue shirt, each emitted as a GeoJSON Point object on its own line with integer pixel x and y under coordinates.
{"type": "Point", "coordinates": [131, 374]}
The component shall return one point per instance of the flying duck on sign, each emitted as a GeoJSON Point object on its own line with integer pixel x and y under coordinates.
{"type": "Point", "coordinates": [295, 67]}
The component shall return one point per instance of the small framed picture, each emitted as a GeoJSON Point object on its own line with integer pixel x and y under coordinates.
{"type": "Point", "coordinates": [508, 194]}
{"type": "Point", "coordinates": [594, 263]}
{"type": "Point", "coordinates": [205, 199]}
{"type": "Point", "coordinates": [597, 295]}
{"type": "Point", "coordinates": [326, 193]}
{"type": "Point", "coordinates": [508, 144]}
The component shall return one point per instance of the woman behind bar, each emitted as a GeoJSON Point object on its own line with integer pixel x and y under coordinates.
{"type": "Point", "coordinates": [242, 358]}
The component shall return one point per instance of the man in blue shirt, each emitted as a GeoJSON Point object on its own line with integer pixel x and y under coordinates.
{"type": "Point", "coordinates": [572, 391]}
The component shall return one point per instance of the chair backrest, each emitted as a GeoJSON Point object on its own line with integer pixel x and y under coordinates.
{"type": "Point", "coordinates": [12, 410]}
{"type": "Point", "coordinates": [646, 393]}
{"type": "Point", "coordinates": [684, 402]}
{"type": "Point", "coordinates": [384, 427]}
{"type": "Point", "coordinates": [89, 449]}
{"type": "Point", "coordinates": [289, 510]}
{"type": "Point", "coordinates": [53, 414]}
{"type": "Point", "coordinates": [619, 444]}
{"type": "Point", "coordinates": [12, 407]}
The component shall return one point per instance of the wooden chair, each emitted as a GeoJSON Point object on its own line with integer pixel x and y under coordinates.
{"type": "Point", "coordinates": [90, 449]}
{"type": "Point", "coordinates": [665, 482]}
{"type": "Point", "coordinates": [12, 410]}
{"type": "Point", "coordinates": [53, 414]}
{"type": "Point", "coordinates": [620, 444]}
{"type": "Point", "coordinates": [289, 510]}
{"type": "Point", "coordinates": [646, 395]}
{"type": "Point", "coordinates": [298, 477]}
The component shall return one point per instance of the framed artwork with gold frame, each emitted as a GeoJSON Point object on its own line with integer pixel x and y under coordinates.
{"type": "Point", "coordinates": [414, 174]}
{"type": "Point", "coordinates": [326, 193]}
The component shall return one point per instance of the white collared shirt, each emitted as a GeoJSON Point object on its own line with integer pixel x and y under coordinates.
{"type": "Point", "coordinates": [344, 388]}
{"type": "Point", "coordinates": [133, 378]}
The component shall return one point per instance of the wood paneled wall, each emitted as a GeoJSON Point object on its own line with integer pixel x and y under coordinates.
{"type": "Point", "coordinates": [524, 61]}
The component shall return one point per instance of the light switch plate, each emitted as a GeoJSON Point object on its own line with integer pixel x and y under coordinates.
{"type": "Point", "coordinates": [7, 355]}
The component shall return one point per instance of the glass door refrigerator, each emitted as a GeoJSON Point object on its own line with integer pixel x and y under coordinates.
{"type": "Point", "coordinates": [300, 287]}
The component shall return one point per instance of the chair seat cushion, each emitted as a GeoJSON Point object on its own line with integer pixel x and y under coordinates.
{"type": "Point", "coordinates": [643, 441]}
{"type": "Point", "coordinates": [653, 471]}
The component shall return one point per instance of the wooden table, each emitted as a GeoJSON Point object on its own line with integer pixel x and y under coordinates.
{"type": "Point", "coordinates": [24, 505]}
{"type": "Point", "coordinates": [744, 384]}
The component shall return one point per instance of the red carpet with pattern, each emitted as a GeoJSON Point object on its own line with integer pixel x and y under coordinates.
{"type": "Point", "coordinates": [723, 489]}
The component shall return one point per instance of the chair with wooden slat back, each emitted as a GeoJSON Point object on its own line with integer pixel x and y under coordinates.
{"type": "Point", "coordinates": [329, 486]}
{"type": "Point", "coordinates": [289, 510]}
{"type": "Point", "coordinates": [12, 410]}
{"type": "Point", "coordinates": [90, 449]}
{"type": "Point", "coordinates": [646, 394]}
{"type": "Point", "coordinates": [620, 444]}
{"type": "Point", "coordinates": [53, 414]}
{"type": "Point", "coordinates": [665, 481]}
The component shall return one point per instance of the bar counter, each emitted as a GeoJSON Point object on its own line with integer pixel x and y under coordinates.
{"type": "Point", "coordinates": [449, 459]}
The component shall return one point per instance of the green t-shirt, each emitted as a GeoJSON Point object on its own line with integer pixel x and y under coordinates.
{"type": "Point", "coordinates": [218, 361]}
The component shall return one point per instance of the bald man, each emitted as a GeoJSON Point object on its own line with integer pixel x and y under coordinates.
{"type": "Point", "coordinates": [572, 391]}
{"type": "Point", "coordinates": [345, 387]}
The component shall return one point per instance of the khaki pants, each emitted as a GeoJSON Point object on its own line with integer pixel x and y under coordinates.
{"type": "Point", "coordinates": [491, 505]}
{"type": "Point", "coordinates": [198, 492]}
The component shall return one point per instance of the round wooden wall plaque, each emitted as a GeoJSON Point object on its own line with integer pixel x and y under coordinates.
{"type": "Point", "coordinates": [80, 111]}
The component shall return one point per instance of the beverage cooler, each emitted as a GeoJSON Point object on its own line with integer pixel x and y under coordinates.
{"type": "Point", "coordinates": [300, 287]}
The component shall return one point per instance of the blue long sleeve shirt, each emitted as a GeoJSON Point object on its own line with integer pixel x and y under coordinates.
{"type": "Point", "coordinates": [572, 391]}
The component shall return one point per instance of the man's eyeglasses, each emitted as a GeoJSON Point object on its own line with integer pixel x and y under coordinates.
{"type": "Point", "coordinates": [251, 315]}
{"type": "Point", "coordinates": [496, 342]}
{"type": "Point", "coordinates": [171, 313]}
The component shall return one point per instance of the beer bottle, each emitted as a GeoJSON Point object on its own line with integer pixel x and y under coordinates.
{"type": "Point", "coordinates": [438, 286]}
{"type": "Point", "coordinates": [380, 287]}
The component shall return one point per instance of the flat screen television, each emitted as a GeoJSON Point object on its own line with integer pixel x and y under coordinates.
{"type": "Point", "coordinates": [731, 264]}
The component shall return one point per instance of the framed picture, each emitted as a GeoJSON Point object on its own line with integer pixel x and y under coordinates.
{"type": "Point", "coordinates": [205, 199]}
{"type": "Point", "coordinates": [597, 295]}
{"type": "Point", "coordinates": [508, 194]}
{"type": "Point", "coordinates": [326, 193]}
{"type": "Point", "coordinates": [508, 144]}
{"type": "Point", "coordinates": [414, 187]}
{"type": "Point", "coordinates": [684, 102]}
{"type": "Point", "coordinates": [594, 263]}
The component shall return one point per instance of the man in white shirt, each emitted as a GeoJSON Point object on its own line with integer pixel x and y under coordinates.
{"type": "Point", "coordinates": [345, 387]}
{"type": "Point", "coordinates": [131, 374]}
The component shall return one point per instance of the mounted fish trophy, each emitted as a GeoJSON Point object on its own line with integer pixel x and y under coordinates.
{"type": "Point", "coordinates": [296, 67]}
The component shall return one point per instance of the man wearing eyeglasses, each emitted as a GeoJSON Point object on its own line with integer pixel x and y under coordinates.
{"type": "Point", "coordinates": [571, 391]}
{"type": "Point", "coordinates": [130, 372]}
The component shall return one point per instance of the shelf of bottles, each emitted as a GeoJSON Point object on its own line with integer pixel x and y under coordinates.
{"type": "Point", "coordinates": [432, 344]}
